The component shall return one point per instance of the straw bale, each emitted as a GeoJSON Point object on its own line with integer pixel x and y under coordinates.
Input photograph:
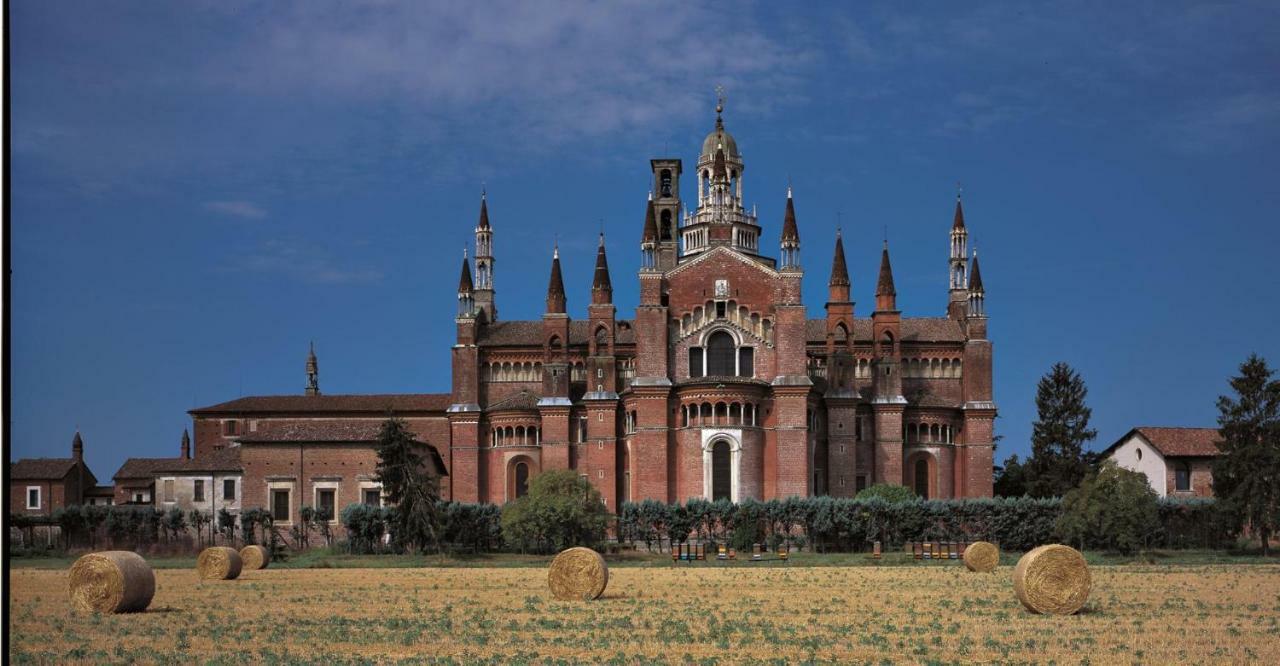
{"type": "Point", "coordinates": [578, 574]}
{"type": "Point", "coordinates": [255, 557]}
{"type": "Point", "coordinates": [114, 581]}
{"type": "Point", "coordinates": [219, 563]}
{"type": "Point", "coordinates": [1052, 579]}
{"type": "Point", "coordinates": [981, 556]}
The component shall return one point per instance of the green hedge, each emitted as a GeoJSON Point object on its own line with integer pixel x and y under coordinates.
{"type": "Point", "coordinates": [850, 525]}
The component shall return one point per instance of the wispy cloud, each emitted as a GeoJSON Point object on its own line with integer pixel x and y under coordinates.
{"type": "Point", "coordinates": [1223, 123]}
{"type": "Point", "coordinates": [301, 262]}
{"type": "Point", "coordinates": [242, 209]}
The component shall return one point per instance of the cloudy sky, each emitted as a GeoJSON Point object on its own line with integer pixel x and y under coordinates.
{"type": "Point", "coordinates": [200, 189]}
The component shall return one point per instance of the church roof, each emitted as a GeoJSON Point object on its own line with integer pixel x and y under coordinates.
{"type": "Point", "coordinates": [885, 284]}
{"type": "Point", "coordinates": [522, 401]}
{"type": "Point", "coordinates": [915, 329]}
{"type": "Point", "coordinates": [601, 279]}
{"type": "Point", "coordinates": [144, 468]}
{"type": "Point", "coordinates": [328, 431]}
{"type": "Point", "coordinates": [464, 282]}
{"type": "Point", "coordinates": [789, 230]}
{"type": "Point", "coordinates": [47, 469]}
{"type": "Point", "coordinates": [959, 219]}
{"type": "Point", "coordinates": [484, 213]}
{"type": "Point", "coordinates": [529, 333]}
{"type": "Point", "coordinates": [975, 277]}
{"type": "Point", "coordinates": [1185, 442]}
{"type": "Point", "coordinates": [719, 138]}
{"type": "Point", "coordinates": [221, 460]}
{"type": "Point", "coordinates": [650, 224]}
{"type": "Point", "coordinates": [373, 403]}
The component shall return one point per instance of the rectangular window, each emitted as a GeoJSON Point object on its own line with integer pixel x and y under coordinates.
{"type": "Point", "coordinates": [229, 490]}
{"type": "Point", "coordinates": [280, 506]}
{"type": "Point", "coordinates": [746, 362]}
{"type": "Point", "coordinates": [860, 484]}
{"type": "Point", "coordinates": [138, 498]}
{"type": "Point", "coordinates": [33, 497]}
{"type": "Point", "coordinates": [325, 504]}
{"type": "Point", "coordinates": [230, 428]}
{"type": "Point", "coordinates": [168, 490]}
{"type": "Point", "coordinates": [372, 497]}
{"type": "Point", "coordinates": [695, 362]}
{"type": "Point", "coordinates": [720, 310]}
{"type": "Point", "coordinates": [1182, 477]}
{"type": "Point", "coordinates": [198, 494]}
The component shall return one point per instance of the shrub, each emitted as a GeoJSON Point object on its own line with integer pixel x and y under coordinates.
{"type": "Point", "coordinates": [1114, 508]}
{"type": "Point", "coordinates": [889, 492]}
{"type": "Point", "coordinates": [561, 510]}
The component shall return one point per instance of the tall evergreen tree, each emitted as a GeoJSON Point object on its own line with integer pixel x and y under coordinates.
{"type": "Point", "coordinates": [1011, 479]}
{"type": "Point", "coordinates": [1247, 474]}
{"type": "Point", "coordinates": [1058, 462]}
{"type": "Point", "coordinates": [409, 485]}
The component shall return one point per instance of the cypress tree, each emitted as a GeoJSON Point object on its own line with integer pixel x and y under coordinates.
{"type": "Point", "coordinates": [409, 485]}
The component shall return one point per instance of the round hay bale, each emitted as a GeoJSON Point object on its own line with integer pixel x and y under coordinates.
{"type": "Point", "coordinates": [255, 557]}
{"type": "Point", "coordinates": [114, 581]}
{"type": "Point", "coordinates": [1052, 579]}
{"type": "Point", "coordinates": [981, 556]}
{"type": "Point", "coordinates": [578, 574]}
{"type": "Point", "coordinates": [219, 563]}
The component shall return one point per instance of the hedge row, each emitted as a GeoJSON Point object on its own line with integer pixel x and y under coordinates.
{"type": "Point", "coordinates": [840, 524]}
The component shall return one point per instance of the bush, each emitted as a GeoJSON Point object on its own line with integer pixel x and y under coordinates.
{"type": "Point", "coordinates": [561, 510]}
{"type": "Point", "coordinates": [889, 492]}
{"type": "Point", "coordinates": [1114, 508]}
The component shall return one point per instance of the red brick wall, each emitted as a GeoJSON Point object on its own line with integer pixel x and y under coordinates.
{"type": "Point", "coordinates": [1201, 477]}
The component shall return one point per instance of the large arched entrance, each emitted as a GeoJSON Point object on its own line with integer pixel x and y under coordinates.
{"type": "Point", "coordinates": [721, 470]}
{"type": "Point", "coordinates": [920, 481]}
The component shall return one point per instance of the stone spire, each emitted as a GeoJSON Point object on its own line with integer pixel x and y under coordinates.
{"type": "Point", "coordinates": [601, 285]}
{"type": "Point", "coordinates": [886, 295]}
{"type": "Point", "coordinates": [466, 290]}
{"type": "Point", "coordinates": [649, 239]}
{"type": "Point", "coordinates": [313, 372]}
{"type": "Point", "coordinates": [464, 283]}
{"type": "Point", "coordinates": [77, 447]}
{"type": "Point", "coordinates": [186, 445]}
{"type": "Point", "coordinates": [555, 289]}
{"type": "Point", "coordinates": [977, 295]}
{"type": "Point", "coordinates": [483, 304]}
{"type": "Point", "coordinates": [839, 270]}
{"type": "Point", "coordinates": [790, 244]}
{"type": "Point", "coordinates": [484, 211]}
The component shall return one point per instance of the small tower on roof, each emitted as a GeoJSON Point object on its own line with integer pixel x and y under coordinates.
{"type": "Point", "coordinates": [958, 267]}
{"type": "Point", "coordinates": [466, 290]}
{"type": "Point", "coordinates": [649, 239]}
{"type": "Point", "coordinates": [555, 288]}
{"type": "Point", "coordinates": [313, 372]}
{"type": "Point", "coordinates": [484, 303]}
{"type": "Point", "coordinates": [77, 447]}
{"type": "Point", "coordinates": [186, 445]}
{"type": "Point", "coordinates": [721, 218]}
{"type": "Point", "coordinates": [790, 243]}
{"type": "Point", "coordinates": [977, 295]}
{"type": "Point", "coordinates": [601, 285]}
{"type": "Point", "coordinates": [886, 295]}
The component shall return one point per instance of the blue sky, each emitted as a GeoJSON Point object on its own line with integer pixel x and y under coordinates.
{"type": "Point", "coordinates": [200, 189]}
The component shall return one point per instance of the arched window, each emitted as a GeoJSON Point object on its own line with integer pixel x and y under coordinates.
{"type": "Point", "coordinates": [886, 343]}
{"type": "Point", "coordinates": [665, 227]}
{"type": "Point", "coordinates": [1182, 476]}
{"type": "Point", "coordinates": [922, 478]}
{"type": "Point", "coordinates": [721, 471]}
{"type": "Point", "coordinates": [720, 353]}
{"type": "Point", "coordinates": [664, 182]}
{"type": "Point", "coordinates": [522, 480]}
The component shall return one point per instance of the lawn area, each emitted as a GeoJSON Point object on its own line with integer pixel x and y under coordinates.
{"type": "Point", "coordinates": [703, 613]}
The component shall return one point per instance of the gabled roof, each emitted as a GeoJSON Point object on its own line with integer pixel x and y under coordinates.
{"type": "Point", "coordinates": [1176, 442]}
{"type": "Point", "coordinates": [42, 469]}
{"type": "Point", "coordinates": [221, 460]}
{"type": "Point", "coordinates": [372, 403]}
{"type": "Point", "coordinates": [100, 491]}
{"type": "Point", "coordinates": [143, 468]}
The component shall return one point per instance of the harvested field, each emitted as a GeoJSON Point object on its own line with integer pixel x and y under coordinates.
{"type": "Point", "coordinates": [687, 614]}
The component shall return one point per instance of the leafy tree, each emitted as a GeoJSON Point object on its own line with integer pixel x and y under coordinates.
{"type": "Point", "coordinates": [409, 485]}
{"type": "Point", "coordinates": [227, 525]}
{"type": "Point", "coordinates": [1058, 463]}
{"type": "Point", "coordinates": [94, 516]}
{"type": "Point", "coordinates": [1114, 508]}
{"type": "Point", "coordinates": [199, 521]}
{"type": "Point", "coordinates": [1011, 480]}
{"type": "Point", "coordinates": [561, 510]}
{"type": "Point", "coordinates": [1247, 474]}
{"type": "Point", "coordinates": [70, 521]}
{"type": "Point", "coordinates": [175, 522]}
{"type": "Point", "coordinates": [889, 492]}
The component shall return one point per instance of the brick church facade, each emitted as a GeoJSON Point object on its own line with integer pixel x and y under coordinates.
{"type": "Point", "coordinates": [719, 385]}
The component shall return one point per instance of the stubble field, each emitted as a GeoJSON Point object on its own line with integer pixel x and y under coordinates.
{"type": "Point", "coordinates": [700, 614]}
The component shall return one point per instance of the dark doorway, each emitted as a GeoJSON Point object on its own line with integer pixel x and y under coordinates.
{"type": "Point", "coordinates": [721, 471]}
{"type": "Point", "coordinates": [922, 478]}
{"type": "Point", "coordinates": [522, 480]}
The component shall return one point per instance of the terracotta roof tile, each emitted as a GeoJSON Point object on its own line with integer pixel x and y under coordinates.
{"type": "Point", "coordinates": [222, 460]}
{"type": "Point", "coordinates": [372, 403]}
{"type": "Point", "coordinates": [335, 431]}
{"type": "Point", "coordinates": [1200, 442]}
{"type": "Point", "coordinates": [524, 400]}
{"type": "Point", "coordinates": [143, 468]}
{"type": "Point", "coordinates": [41, 468]}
